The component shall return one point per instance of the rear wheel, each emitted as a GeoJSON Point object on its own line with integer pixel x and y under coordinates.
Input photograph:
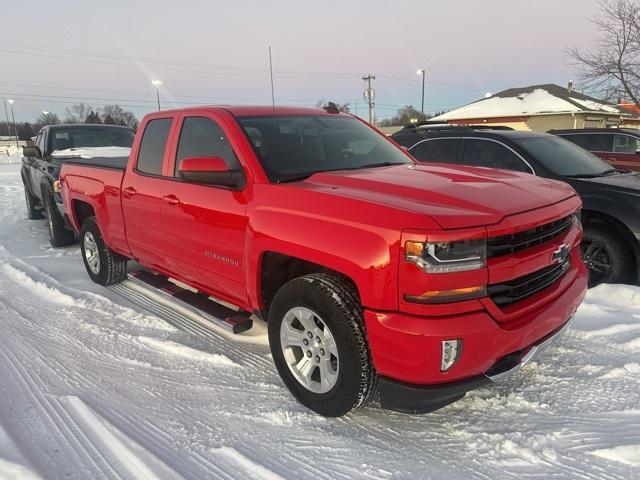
{"type": "Point", "coordinates": [605, 257]}
{"type": "Point", "coordinates": [33, 213]}
{"type": "Point", "coordinates": [318, 343]}
{"type": "Point", "coordinates": [59, 234]}
{"type": "Point", "coordinates": [103, 265]}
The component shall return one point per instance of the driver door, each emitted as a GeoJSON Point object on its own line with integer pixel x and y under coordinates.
{"type": "Point", "coordinates": [204, 225]}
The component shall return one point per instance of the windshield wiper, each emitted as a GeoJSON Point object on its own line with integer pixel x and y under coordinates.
{"type": "Point", "coordinates": [373, 165]}
{"type": "Point", "coordinates": [593, 175]}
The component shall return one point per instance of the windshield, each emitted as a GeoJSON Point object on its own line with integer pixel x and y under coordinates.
{"type": "Point", "coordinates": [295, 147]}
{"type": "Point", "coordinates": [563, 157]}
{"type": "Point", "coordinates": [76, 137]}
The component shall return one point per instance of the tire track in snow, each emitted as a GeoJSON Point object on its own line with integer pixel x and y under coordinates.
{"type": "Point", "coordinates": [88, 442]}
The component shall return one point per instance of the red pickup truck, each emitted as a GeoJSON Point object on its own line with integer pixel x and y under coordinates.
{"type": "Point", "coordinates": [373, 272]}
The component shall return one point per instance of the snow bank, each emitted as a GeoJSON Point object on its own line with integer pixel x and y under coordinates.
{"type": "Point", "coordinates": [39, 289]}
{"type": "Point", "coordinates": [92, 152]}
{"type": "Point", "coordinates": [181, 350]}
{"type": "Point", "coordinates": [629, 454]}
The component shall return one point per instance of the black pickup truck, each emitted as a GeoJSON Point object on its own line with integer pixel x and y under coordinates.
{"type": "Point", "coordinates": [41, 165]}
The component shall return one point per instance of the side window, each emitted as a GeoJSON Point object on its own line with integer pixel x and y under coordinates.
{"type": "Point", "coordinates": [444, 150]}
{"type": "Point", "coordinates": [600, 142]}
{"type": "Point", "coordinates": [202, 137]}
{"type": "Point", "coordinates": [580, 140]}
{"type": "Point", "coordinates": [625, 144]}
{"type": "Point", "coordinates": [154, 141]}
{"type": "Point", "coordinates": [485, 153]}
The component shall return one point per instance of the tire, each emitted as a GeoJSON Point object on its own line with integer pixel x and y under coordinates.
{"type": "Point", "coordinates": [33, 213]}
{"type": "Point", "coordinates": [59, 234]}
{"type": "Point", "coordinates": [332, 306]}
{"type": "Point", "coordinates": [604, 254]}
{"type": "Point", "coordinates": [103, 265]}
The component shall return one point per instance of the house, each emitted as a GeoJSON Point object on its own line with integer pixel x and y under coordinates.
{"type": "Point", "coordinates": [542, 108]}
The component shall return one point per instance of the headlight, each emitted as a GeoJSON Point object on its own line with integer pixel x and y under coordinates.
{"type": "Point", "coordinates": [447, 257]}
{"type": "Point", "coordinates": [577, 215]}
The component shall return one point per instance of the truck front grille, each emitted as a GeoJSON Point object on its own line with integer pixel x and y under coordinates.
{"type": "Point", "coordinates": [507, 293]}
{"type": "Point", "coordinates": [507, 244]}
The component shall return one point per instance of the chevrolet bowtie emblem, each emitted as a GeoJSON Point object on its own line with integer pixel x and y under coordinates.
{"type": "Point", "coordinates": [561, 254]}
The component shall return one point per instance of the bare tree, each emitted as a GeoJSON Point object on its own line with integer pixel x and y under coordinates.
{"type": "Point", "coordinates": [404, 116]}
{"type": "Point", "coordinates": [45, 119]}
{"type": "Point", "coordinates": [115, 114]}
{"type": "Point", "coordinates": [611, 68]}
{"type": "Point", "coordinates": [78, 113]}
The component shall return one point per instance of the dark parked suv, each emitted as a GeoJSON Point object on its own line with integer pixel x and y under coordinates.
{"type": "Point", "coordinates": [611, 197]}
{"type": "Point", "coordinates": [40, 169]}
{"type": "Point", "coordinates": [618, 146]}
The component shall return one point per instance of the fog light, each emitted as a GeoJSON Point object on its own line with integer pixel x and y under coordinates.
{"type": "Point", "coordinates": [451, 351]}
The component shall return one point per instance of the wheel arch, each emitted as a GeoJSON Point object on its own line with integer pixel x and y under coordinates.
{"type": "Point", "coordinates": [276, 269]}
{"type": "Point", "coordinates": [594, 218]}
{"type": "Point", "coordinates": [81, 210]}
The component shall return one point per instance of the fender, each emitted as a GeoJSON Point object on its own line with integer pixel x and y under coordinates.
{"type": "Point", "coordinates": [369, 257]}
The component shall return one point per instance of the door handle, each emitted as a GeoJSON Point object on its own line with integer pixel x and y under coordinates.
{"type": "Point", "coordinates": [171, 199]}
{"type": "Point", "coordinates": [129, 191]}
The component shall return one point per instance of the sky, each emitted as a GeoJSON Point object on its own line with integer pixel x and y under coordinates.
{"type": "Point", "coordinates": [57, 53]}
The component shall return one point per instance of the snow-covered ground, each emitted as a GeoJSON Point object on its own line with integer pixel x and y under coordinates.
{"type": "Point", "coordinates": [98, 383]}
{"type": "Point", "coordinates": [9, 153]}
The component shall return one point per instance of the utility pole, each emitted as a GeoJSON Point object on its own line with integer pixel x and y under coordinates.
{"type": "Point", "coordinates": [422, 71]}
{"type": "Point", "coordinates": [369, 95]}
{"type": "Point", "coordinates": [15, 130]}
{"type": "Point", "coordinates": [6, 114]}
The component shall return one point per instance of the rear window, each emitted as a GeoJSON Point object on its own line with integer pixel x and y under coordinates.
{"type": "Point", "coordinates": [154, 141]}
{"type": "Point", "coordinates": [77, 137]}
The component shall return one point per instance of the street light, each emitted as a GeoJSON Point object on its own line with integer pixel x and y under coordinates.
{"type": "Point", "coordinates": [488, 95]}
{"type": "Point", "coordinates": [422, 71]}
{"type": "Point", "coordinates": [15, 130]}
{"type": "Point", "coordinates": [157, 83]}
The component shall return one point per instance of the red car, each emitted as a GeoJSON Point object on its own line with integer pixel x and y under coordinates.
{"type": "Point", "coordinates": [427, 281]}
{"type": "Point", "coordinates": [618, 146]}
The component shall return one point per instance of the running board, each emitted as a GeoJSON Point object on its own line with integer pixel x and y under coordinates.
{"type": "Point", "coordinates": [198, 303]}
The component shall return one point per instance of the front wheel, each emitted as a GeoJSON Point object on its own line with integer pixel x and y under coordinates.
{"type": "Point", "coordinates": [318, 343]}
{"type": "Point", "coordinates": [103, 265]}
{"type": "Point", "coordinates": [604, 255]}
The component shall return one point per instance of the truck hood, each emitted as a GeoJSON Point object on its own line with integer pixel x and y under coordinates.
{"type": "Point", "coordinates": [453, 196]}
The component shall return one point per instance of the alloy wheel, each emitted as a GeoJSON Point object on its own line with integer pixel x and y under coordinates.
{"type": "Point", "coordinates": [309, 349]}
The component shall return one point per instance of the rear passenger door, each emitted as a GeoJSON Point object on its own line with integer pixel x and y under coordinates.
{"type": "Point", "coordinates": [480, 152]}
{"type": "Point", "coordinates": [440, 150]}
{"type": "Point", "coordinates": [142, 193]}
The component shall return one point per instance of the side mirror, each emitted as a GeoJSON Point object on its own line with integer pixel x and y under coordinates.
{"type": "Point", "coordinates": [212, 171]}
{"type": "Point", "coordinates": [32, 151]}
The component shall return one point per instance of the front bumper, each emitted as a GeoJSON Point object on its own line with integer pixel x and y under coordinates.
{"type": "Point", "coordinates": [409, 398]}
{"type": "Point", "coordinates": [406, 349]}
